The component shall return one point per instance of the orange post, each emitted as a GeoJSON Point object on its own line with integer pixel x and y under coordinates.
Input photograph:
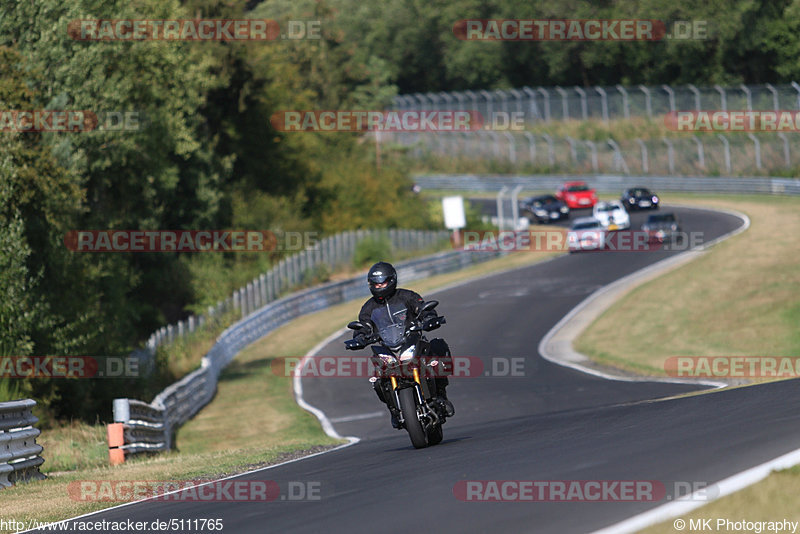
{"type": "Point", "coordinates": [116, 439]}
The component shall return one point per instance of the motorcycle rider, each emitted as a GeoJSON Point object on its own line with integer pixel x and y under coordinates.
{"type": "Point", "coordinates": [382, 280]}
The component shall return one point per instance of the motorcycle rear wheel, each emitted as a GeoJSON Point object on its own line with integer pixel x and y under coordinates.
{"type": "Point", "coordinates": [409, 407]}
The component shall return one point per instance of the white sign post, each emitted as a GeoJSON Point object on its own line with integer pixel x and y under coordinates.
{"type": "Point", "coordinates": [454, 217]}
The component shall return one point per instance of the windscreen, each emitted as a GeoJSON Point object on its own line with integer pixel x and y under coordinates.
{"type": "Point", "coordinates": [390, 320]}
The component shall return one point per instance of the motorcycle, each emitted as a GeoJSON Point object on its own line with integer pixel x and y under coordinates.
{"type": "Point", "coordinates": [402, 354]}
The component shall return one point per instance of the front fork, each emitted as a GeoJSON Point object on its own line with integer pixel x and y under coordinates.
{"type": "Point", "coordinates": [420, 385]}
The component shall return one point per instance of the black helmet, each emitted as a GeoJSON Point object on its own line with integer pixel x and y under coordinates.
{"type": "Point", "coordinates": [381, 273]}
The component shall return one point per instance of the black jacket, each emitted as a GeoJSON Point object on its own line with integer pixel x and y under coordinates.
{"type": "Point", "coordinates": [411, 300]}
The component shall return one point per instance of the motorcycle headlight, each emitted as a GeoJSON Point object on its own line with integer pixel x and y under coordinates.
{"type": "Point", "coordinates": [564, 209]}
{"type": "Point", "coordinates": [408, 353]}
{"type": "Point", "coordinates": [655, 199]}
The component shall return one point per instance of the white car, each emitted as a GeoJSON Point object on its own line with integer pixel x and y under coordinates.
{"type": "Point", "coordinates": [612, 215]}
{"type": "Point", "coordinates": [586, 233]}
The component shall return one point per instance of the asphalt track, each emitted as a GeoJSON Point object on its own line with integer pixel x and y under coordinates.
{"type": "Point", "coordinates": [550, 424]}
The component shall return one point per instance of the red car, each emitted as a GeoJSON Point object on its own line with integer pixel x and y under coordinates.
{"type": "Point", "coordinates": [576, 195]}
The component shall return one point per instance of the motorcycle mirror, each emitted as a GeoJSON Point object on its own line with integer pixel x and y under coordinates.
{"type": "Point", "coordinates": [355, 325]}
{"type": "Point", "coordinates": [428, 306]}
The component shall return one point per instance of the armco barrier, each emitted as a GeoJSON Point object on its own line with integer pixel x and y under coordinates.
{"type": "Point", "coordinates": [608, 183]}
{"type": "Point", "coordinates": [142, 427]}
{"type": "Point", "coordinates": [19, 452]}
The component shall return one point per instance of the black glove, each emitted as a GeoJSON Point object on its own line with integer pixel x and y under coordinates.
{"type": "Point", "coordinates": [432, 323]}
{"type": "Point", "coordinates": [359, 341]}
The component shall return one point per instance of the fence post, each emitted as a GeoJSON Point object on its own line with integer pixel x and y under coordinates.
{"type": "Point", "coordinates": [564, 103]}
{"type": "Point", "coordinates": [671, 95]}
{"type": "Point", "coordinates": [670, 155]}
{"type": "Point", "coordinates": [584, 104]}
{"type": "Point", "coordinates": [489, 105]}
{"type": "Point", "coordinates": [701, 157]}
{"type": "Point", "coordinates": [774, 92]}
{"type": "Point", "coordinates": [593, 148]}
{"type": "Point", "coordinates": [531, 145]}
{"type": "Point", "coordinates": [551, 153]}
{"type": "Point", "coordinates": [727, 148]}
{"type": "Point", "coordinates": [782, 137]}
{"type": "Point", "coordinates": [625, 105]}
{"type": "Point", "coordinates": [757, 144]}
{"type": "Point", "coordinates": [647, 101]}
{"type": "Point", "coordinates": [534, 108]}
{"type": "Point", "coordinates": [619, 161]}
{"type": "Point", "coordinates": [603, 103]}
{"type": "Point", "coordinates": [512, 150]}
{"type": "Point", "coordinates": [696, 92]}
{"type": "Point", "coordinates": [546, 96]}
{"type": "Point", "coordinates": [723, 99]}
{"type": "Point", "coordinates": [573, 152]}
{"type": "Point", "coordinates": [645, 165]}
{"type": "Point", "coordinates": [749, 97]}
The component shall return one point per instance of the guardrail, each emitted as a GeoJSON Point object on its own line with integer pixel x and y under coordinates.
{"type": "Point", "coordinates": [142, 427]}
{"type": "Point", "coordinates": [19, 452]}
{"type": "Point", "coordinates": [287, 274]}
{"type": "Point", "coordinates": [609, 183]}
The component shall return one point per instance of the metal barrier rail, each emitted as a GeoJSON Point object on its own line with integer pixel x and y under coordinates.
{"type": "Point", "coordinates": [19, 452]}
{"type": "Point", "coordinates": [142, 427]}
{"type": "Point", "coordinates": [609, 183]}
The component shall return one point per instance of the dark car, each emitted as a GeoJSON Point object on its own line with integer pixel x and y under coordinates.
{"type": "Point", "coordinates": [662, 227]}
{"type": "Point", "coordinates": [544, 208]}
{"type": "Point", "coordinates": [639, 198]}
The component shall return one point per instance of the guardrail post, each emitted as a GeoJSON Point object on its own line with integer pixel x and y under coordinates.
{"type": "Point", "coordinates": [489, 105]}
{"type": "Point", "coordinates": [500, 207]}
{"type": "Point", "coordinates": [515, 207]}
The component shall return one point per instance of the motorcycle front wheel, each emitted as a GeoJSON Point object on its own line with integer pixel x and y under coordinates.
{"type": "Point", "coordinates": [409, 407]}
